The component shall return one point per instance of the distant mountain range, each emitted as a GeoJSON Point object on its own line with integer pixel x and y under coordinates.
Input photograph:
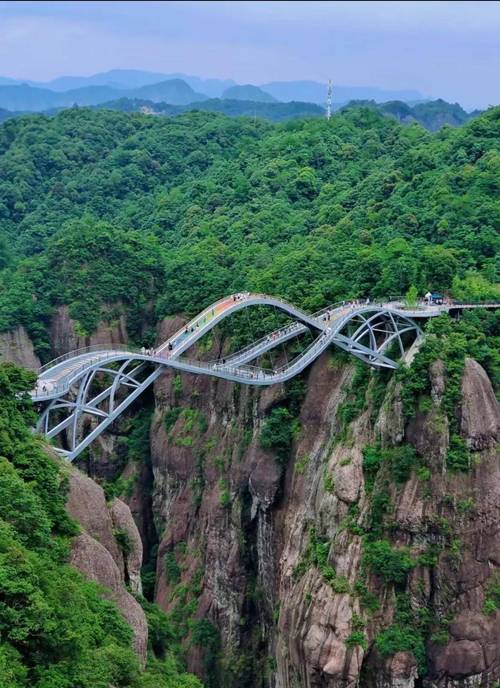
{"type": "Point", "coordinates": [126, 79]}
{"type": "Point", "coordinates": [178, 89]}
{"type": "Point", "coordinates": [26, 97]}
{"type": "Point", "coordinates": [249, 92]}
{"type": "Point", "coordinates": [134, 90]}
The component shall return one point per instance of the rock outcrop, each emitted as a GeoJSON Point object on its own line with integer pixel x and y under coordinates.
{"type": "Point", "coordinates": [125, 527]}
{"type": "Point", "coordinates": [17, 347]}
{"type": "Point", "coordinates": [97, 554]}
{"type": "Point", "coordinates": [64, 334]}
{"type": "Point", "coordinates": [480, 419]}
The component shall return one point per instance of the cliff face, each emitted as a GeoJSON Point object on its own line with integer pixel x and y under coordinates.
{"type": "Point", "coordinates": [272, 549]}
{"type": "Point", "coordinates": [108, 551]}
{"type": "Point", "coordinates": [225, 507]}
{"type": "Point", "coordinates": [64, 334]}
{"type": "Point", "coordinates": [16, 347]}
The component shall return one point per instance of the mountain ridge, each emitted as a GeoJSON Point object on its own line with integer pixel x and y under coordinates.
{"type": "Point", "coordinates": [26, 97]}
{"type": "Point", "coordinates": [296, 90]}
{"type": "Point", "coordinates": [249, 92]}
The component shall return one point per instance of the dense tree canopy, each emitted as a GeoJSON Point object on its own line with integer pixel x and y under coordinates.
{"type": "Point", "coordinates": [172, 213]}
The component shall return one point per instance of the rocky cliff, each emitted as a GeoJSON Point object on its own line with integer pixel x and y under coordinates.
{"type": "Point", "coordinates": [16, 347]}
{"type": "Point", "coordinates": [311, 575]}
{"type": "Point", "coordinates": [109, 550]}
{"type": "Point", "coordinates": [341, 551]}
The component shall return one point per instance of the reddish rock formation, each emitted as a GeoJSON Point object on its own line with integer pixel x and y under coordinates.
{"type": "Point", "coordinates": [97, 564]}
{"type": "Point", "coordinates": [480, 421]}
{"type": "Point", "coordinates": [64, 334]}
{"type": "Point", "coordinates": [132, 555]}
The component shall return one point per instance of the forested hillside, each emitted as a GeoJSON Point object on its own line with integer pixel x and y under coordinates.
{"type": "Point", "coordinates": [272, 111]}
{"type": "Point", "coordinates": [432, 114]}
{"type": "Point", "coordinates": [106, 207]}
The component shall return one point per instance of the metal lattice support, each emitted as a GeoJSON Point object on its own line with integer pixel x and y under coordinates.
{"type": "Point", "coordinates": [369, 334]}
{"type": "Point", "coordinates": [104, 405]}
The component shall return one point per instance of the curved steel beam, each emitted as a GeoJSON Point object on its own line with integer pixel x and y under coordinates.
{"type": "Point", "coordinates": [80, 370]}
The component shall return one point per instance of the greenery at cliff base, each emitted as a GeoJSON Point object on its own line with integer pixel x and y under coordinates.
{"type": "Point", "coordinates": [57, 630]}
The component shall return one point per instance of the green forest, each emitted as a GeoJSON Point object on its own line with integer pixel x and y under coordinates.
{"type": "Point", "coordinates": [169, 214]}
{"type": "Point", "coordinates": [156, 216]}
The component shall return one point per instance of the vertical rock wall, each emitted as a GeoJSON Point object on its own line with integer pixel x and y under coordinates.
{"type": "Point", "coordinates": [246, 523]}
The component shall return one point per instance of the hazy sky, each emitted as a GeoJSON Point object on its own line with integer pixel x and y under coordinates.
{"type": "Point", "coordinates": [446, 49]}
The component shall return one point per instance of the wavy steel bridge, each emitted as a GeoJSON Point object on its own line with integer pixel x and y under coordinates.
{"type": "Point", "coordinates": [70, 389]}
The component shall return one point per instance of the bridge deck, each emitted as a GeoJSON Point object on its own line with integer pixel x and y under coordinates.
{"type": "Point", "coordinates": [56, 377]}
{"type": "Point", "coordinates": [66, 391]}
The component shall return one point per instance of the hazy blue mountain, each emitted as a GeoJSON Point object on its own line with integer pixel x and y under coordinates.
{"type": "Point", "coordinates": [211, 87]}
{"type": "Point", "coordinates": [310, 91]}
{"type": "Point", "coordinates": [175, 91]}
{"type": "Point", "coordinates": [8, 114]}
{"type": "Point", "coordinates": [7, 81]}
{"type": "Point", "coordinates": [122, 79]}
{"type": "Point", "coordinates": [276, 112]}
{"type": "Point", "coordinates": [25, 97]}
{"type": "Point", "coordinates": [315, 92]}
{"type": "Point", "coordinates": [116, 78]}
{"type": "Point", "coordinates": [432, 114]}
{"type": "Point", "coordinates": [248, 92]}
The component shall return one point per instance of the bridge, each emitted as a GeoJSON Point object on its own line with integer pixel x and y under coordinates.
{"type": "Point", "coordinates": [81, 393]}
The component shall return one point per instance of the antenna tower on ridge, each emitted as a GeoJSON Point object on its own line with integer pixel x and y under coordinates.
{"type": "Point", "coordinates": [329, 100]}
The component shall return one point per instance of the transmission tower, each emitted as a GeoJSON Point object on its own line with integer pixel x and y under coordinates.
{"type": "Point", "coordinates": [329, 100]}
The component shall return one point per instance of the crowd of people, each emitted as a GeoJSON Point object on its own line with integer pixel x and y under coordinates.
{"type": "Point", "coordinates": [241, 296]}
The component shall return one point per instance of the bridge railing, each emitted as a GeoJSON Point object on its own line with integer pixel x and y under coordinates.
{"type": "Point", "coordinates": [396, 303]}
{"type": "Point", "coordinates": [61, 385]}
{"type": "Point", "coordinates": [84, 350]}
{"type": "Point", "coordinates": [287, 329]}
{"type": "Point", "coordinates": [295, 327]}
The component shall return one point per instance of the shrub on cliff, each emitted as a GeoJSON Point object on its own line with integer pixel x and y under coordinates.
{"type": "Point", "coordinates": [390, 563]}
